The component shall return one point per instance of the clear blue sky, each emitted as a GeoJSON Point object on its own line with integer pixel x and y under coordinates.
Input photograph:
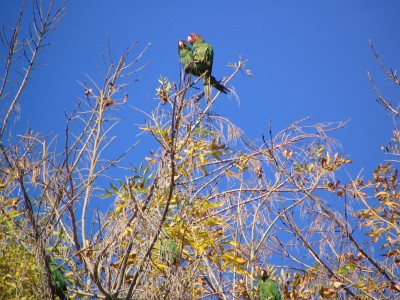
{"type": "Point", "coordinates": [308, 58]}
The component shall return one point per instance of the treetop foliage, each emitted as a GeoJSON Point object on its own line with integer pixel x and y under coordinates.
{"type": "Point", "coordinates": [201, 214]}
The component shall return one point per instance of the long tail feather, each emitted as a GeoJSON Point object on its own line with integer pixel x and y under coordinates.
{"type": "Point", "coordinates": [207, 91]}
{"type": "Point", "coordinates": [218, 86]}
{"type": "Point", "coordinates": [207, 87]}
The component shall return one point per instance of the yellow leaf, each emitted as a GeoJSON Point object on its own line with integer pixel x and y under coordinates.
{"type": "Point", "coordinates": [119, 207]}
{"type": "Point", "coordinates": [162, 267]}
{"type": "Point", "coordinates": [283, 275]}
{"type": "Point", "coordinates": [242, 272]}
{"type": "Point", "coordinates": [320, 150]}
{"type": "Point", "coordinates": [200, 249]}
{"type": "Point", "coordinates": [233, 259]}
{"type": "Point", "coordinates": [15, 214]}
{"type": "Point", "coordinates": [234, 243]}
{"type": "Point", "coordinates": [392, 203]}
{"type": "Point", "coordinates": [382, 195]}
{"type": "Point", "coordinates": [68, 274]}
{"type": "Point", "coordinates": [359, 285]}
{"type": "Point", "coordinates": [11, 201]}
{"type": "Point", "coordinates": [184, 173]}
{"type": "Point", "coordinates": [213, 221]}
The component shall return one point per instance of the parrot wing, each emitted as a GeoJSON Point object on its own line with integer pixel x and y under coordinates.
{"type": "Point", "coordinates": [269, 290]}
{"type": "Point", "coordinates": [169, 251]}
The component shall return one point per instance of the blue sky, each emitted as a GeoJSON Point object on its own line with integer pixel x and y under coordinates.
{"type": "Point", "coordinates": [308, 58]}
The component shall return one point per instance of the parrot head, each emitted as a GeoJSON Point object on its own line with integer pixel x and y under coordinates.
{"type": "Point", "coordinates": [264, 274]}
{"type": "Point", "coordinates": [183, 45]}
{"type": "Point", "coordinates": [195, 38]}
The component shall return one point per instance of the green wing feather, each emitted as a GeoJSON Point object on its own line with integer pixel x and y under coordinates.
{"type": "Point", "coordinates": [203, 56]}
{"type": "Point", "coordinates": [169, 251]}
{"type": "Point", "coordinates": [58, 280]}
{"type": "Point", "coordinates": [187, 60]}
{"type": "Point", "coordinates": [268, 290]}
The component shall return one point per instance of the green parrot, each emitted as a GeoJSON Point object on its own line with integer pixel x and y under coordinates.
{"type": "Point", "coordinates": [203, 53]}
{"type": "Point", "coordinates": [169, 251]}
{"type": "Point", "coordinates": [186, 57]}
{"type": "Point", "coordinates": [268, 288]}
{"type": "Point", "coordinates": [58, 280]}
{"type": "Point", "coordinates": [199, 62]}
{"type": "Point", "coordinates": [203, 57]}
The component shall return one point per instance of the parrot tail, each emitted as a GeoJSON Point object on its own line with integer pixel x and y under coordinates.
{"type": "Point", "coordinates": [207, 88]}
{"type": "Point", "coordinates": [218, 86]}
{"type": "Point", "coordinates": [207, 91]}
